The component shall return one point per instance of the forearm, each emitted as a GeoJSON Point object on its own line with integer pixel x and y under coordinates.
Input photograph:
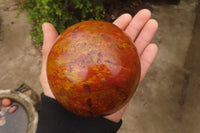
{"type": "Point", "coordinates": [53, 118]}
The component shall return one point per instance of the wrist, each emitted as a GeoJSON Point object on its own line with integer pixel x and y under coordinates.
{"type": "Point", "coordinates": [116, 117]}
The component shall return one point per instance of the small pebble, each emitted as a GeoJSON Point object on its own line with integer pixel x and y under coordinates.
{"type": "Point", "coordinates": [113, 17]}
{"type": "Point", "coordinates": [2, 121]}
{"type": "Point", "coordinates": [6, 102]}
{"type": "Point", "coordinates": [12, 109]}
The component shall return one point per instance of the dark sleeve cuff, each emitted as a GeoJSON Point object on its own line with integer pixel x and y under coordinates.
{"type": "Point", "coordinates": [54, 118]}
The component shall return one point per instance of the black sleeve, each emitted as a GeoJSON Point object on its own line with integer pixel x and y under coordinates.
{"type": "Point", "coordinates": [53, 118]}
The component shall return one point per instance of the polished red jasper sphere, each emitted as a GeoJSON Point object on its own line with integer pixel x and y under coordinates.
{"type": "Point", "coordinates": [93, 68]}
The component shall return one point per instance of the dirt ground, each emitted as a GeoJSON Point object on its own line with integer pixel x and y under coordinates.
{"type": "Point", "coordinates": [20, 60]}
{"type": "Point", "coordinates": [167, 99]}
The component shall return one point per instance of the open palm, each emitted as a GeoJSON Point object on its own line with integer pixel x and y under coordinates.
{"type": "Point", "coordinates": [141, 30]}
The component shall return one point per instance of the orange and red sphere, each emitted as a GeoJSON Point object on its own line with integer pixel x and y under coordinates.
{"type": "Point", "coordinates": [93, 68]}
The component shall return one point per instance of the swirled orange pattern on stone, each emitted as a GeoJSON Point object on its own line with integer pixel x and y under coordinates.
{"type": "Point", "coordinates": [93, 68]}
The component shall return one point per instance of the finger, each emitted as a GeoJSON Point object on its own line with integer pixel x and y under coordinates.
{"type": "Point", "coordinates": [123, 21]}
{"type": "Point", "coordinates": [146, 35]}
{"type": "Point", "coordinates": [137, 23]}
{"type": "Point", "coordinates": [147, 58]}
{"type": "Point", "coordinates": [49, 36]}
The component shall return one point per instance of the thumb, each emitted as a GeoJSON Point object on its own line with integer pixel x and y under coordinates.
{"type": "Point", "coordinates": [49, 36]}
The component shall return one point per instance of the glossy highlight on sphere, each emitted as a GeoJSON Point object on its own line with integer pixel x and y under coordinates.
{"type": "Point", "coordinates": [93, 68]}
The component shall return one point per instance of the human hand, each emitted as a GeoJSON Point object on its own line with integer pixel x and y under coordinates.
{"type": "Point", "coordinates": [141, 30]}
